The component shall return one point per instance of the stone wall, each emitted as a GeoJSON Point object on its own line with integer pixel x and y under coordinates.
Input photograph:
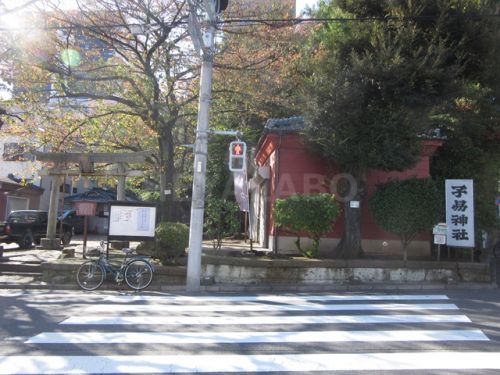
{"type": "Point", "coordinates": [226, 270]}
{"type": "Point", "coordinates": [274, 272]}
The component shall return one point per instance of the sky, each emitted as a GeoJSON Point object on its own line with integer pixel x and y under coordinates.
{"type": "Point", "coordinates": [300, 4]}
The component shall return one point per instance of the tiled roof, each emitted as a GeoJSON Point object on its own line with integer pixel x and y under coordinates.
{"type": "Point", "coordinates": [289, 124]}
{"type": "Point", "coordinates": [99, 195]}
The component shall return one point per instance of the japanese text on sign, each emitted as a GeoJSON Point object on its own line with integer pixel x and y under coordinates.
{"type": "Point", "coordinates": [460, 213]}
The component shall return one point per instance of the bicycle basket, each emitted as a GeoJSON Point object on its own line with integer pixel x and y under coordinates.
{"type": "Point", "coordinates": [94, 252]}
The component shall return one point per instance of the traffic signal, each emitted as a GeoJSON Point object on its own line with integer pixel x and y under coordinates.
{"type": "Point", "coordinates": [237, 156]}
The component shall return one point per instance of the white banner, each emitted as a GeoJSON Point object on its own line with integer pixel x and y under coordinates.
{"type": "Point", "coordinates": [460, 213]}
{"type": "Point", "coordinates": [241, 190]}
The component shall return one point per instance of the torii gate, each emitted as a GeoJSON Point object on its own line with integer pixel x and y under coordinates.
{"type": "Point", "coordinates": [86, 163]}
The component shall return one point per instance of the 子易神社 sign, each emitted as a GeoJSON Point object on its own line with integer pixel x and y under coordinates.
{"type": "Point", "coordinates": [460, 213]}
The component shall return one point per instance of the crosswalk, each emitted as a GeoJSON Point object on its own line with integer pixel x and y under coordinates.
{"type": "Point", "coordinates": [296, 333]}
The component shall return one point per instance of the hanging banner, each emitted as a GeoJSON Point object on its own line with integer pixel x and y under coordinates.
{"type": "Point", "coordinates": [460, 213]}
{"type": "Point", "coordinates": [241, 190]}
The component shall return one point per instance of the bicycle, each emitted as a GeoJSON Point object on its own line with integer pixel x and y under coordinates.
{"type": "Point", "coordinates": [136, 270]}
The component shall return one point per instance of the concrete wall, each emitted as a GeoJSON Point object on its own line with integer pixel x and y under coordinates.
{"type": "Point", "coordinates": [221, 272]}
{"type": "Point", "coordinates": [265, 271]}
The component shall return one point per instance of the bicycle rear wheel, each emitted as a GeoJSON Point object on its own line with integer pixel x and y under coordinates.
{"type": "Point", "coordinates": [138, 274]}
{"type": "Point", "coordinates": [90, 275]}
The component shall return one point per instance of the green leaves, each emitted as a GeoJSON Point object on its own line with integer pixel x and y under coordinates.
{"type": "Point", "coordinates": [313, 214]}
{"type": "Point", "coordinates": [371, 85]}
{"type": "Point", "coordinates": [221, 220]}
{"type": "Point", "coordinates": [406, 208]}
{"type": "Point", "coordinates": [172, 239]}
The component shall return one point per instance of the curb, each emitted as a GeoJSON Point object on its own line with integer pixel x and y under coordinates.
{"type": "Point", "coordinates": [284, 288]}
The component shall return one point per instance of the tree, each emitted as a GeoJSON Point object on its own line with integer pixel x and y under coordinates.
{"type": "Point", "coordinates": [6, 50]}
{"type": "Point", "coordinates": [131, 61]}
{"type": "Point", "coordinates": [471, 121]}
{"type": "Point", "coordinates": [252, 82]}
{"type": "Point", "coordinates": [373, 83]}
{"type": "Point", "coordinates": [472, 128]}
{"type": "Point", "coordinates": [406, 208]}
{"type": "Point", "coordinates": [310, 214]}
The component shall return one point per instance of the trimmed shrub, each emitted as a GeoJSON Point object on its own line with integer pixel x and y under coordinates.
{"type": "Point", "coordinates": [311, 214]}
{"type": "Point", "coordinates": [406, 208]}
{"type": "Point", "coordinates": [172, 239]}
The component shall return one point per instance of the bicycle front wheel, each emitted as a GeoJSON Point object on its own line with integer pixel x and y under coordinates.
{"type": "Point", "coordinates": [90, 275]}
{"type": "Point", "coordinates": [138, 274]}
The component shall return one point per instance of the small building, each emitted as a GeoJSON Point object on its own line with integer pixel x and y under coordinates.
{"type": "Point", "coordinates": [15, 195]}
{"type": "Point", "coordinates": [284, 166]}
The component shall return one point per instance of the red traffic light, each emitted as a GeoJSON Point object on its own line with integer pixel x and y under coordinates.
{"type": "Point", "coordinates": [237, 148]}
{"type": "Point", "coordinates": [237, 156]}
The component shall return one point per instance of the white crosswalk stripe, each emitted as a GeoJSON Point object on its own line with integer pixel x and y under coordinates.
{"type": "Point", "coordinates": [260, 320]}
{"type": "Point", "coordinates": [100, 308]}
{"type": "Point", "coordinates": [253, 337]}
{"type": "Point", "coordinates": [226, 324]}
{"type": "Point", "coordinates": [298, 363]}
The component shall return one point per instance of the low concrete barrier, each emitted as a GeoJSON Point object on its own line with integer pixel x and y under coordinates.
{"type": "Point", "coordinates": [217, 270]}
{"type": "Point", "coordinates": [64, 272]}
{"type": "Point", "coordinates": [227, 270]}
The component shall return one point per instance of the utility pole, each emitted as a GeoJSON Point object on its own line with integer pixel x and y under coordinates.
{"type": "Point", "coordinates": [205, 40]}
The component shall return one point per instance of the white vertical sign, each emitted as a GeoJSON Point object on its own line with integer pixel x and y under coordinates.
{"type": "Point", "coordinates": [460, 213]}
{"type": "Point", "coordinates": [241, 190]}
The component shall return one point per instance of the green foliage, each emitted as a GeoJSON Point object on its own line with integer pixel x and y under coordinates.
{"type": "Point", "coordinates": [220, 182]}
{"type": "Point", "coordinates": [150, 196]}
{"type": "Point", "coordinates": [406, 208]}
{"type": "Point", "coordinates": [172, 239]}
{"type": "Point", "coordinates": [373, 87]}
{"type": "Point", "coordinates": [472, 126]}
{"type": "Point", "coordinates": [221, 220]}
{"type": "Point", "coordinates": [313, 214]}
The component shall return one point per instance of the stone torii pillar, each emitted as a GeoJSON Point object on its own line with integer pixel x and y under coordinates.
{"type": "Point", "coordinates": [120, 189]}
{"type": "Point", "coordinates": [52, 242]}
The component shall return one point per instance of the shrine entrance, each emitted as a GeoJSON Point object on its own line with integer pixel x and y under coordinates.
{"type": "Point", "coordinates": [86, 168]}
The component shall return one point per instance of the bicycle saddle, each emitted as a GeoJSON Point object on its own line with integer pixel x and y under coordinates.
{"type": "Point", "coordinates": [127, 250]}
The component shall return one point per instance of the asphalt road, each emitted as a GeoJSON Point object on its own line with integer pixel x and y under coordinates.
{"type": "Point", "coordinates": [456, 331]}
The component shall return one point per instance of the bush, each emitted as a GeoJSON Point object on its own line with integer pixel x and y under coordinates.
{"type": "Point", "coordinates": [172, 239]}
{"type": "Point", "coordinates": [313, 214]}
{"type": "Point", "coordinates": [406, 208]}
{"type": "Point", "coordinates": [221, 220]}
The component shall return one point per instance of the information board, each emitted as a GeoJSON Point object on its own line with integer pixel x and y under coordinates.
{"type": "Point", "coordinates": [132, 221]}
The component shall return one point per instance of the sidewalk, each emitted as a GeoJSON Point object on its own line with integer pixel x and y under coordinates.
{"type": "Point", "coordinates": [21, 269]}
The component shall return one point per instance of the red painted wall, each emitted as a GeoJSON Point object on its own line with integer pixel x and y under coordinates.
{"type": "Point", "coordinates": [295, 169]}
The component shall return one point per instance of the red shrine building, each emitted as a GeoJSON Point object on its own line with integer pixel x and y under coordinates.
{"type": "Point", "coordinates": [284, 166]}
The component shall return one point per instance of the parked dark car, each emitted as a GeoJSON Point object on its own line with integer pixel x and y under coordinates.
{"type": "Point", "coordinates": [28, 227]}
{"type": "Point", "coordinates": [77, 222]}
